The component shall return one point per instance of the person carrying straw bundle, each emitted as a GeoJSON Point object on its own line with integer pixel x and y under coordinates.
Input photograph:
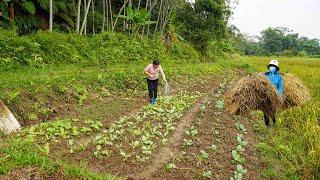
{"type": "Point", "coordinates": [269, 92]}
{"type": "Point", "coordinates": [276, 79]}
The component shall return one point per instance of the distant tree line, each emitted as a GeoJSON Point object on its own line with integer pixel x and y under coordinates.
{"type": "Point", "coordinates": [277, 41]}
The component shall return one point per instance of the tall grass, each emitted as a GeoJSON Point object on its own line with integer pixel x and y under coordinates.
{"type": "Point", "coordinates": [292, 149]}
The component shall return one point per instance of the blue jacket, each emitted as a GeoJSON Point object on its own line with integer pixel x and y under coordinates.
{"type": "Point", "coordinates": [276, 80]}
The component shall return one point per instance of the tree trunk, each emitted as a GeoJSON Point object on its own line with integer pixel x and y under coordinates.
{"type": "Point", "coordinates": [115, 22]}
{"type": "Point", "coordinates": [107, 14]}
{"type": "Point", "coordinates": [163, 14]}
{"type": "Point", "coordinates": [166, 15]}
{"type": "Point", "coordinates": [78, 16]}
{"type": "Point", "coordinates": [85, 17]}
{"type": "Point", "coordinates": [150, 11]}
{"type": "Point", "coordinates": [149, 17]}
{"type": "Point", "coordinates": [8, 122]}
{"type": "Point", "coordinates": [51, 17]}
{"type": "Point", "coordinates": [85, 10]}
{"type": "Point", "coordinates": [166, 20]}
{"type": "Point", "coordinates": [111, 18]}
{"type": "Point", "coordinates": [151, 6]}
{"type": "Point", "coordinates": [11, 11]}
{"type": "Point", "coordinates": [158, 19]}
{"type": "Point", "coordinates": [104, 14]}
{"type": "Point", "coordinates": [139, 3]}
{"type": "Point", "coordinates": [93, 30]}
{"type": "Point", "coordinates": [124, 13]}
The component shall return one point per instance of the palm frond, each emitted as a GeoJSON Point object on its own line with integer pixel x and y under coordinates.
{"type": "Point", "coordinates": [28, 7]}
{"type": "Point", "coordinates": [44, 4]}
{"type": "Point", "coordinates": [55, 9]}
{"type": "Point", "coordinates": [66, 18]}
{"type": "Point", "coordinates": [62, 6]}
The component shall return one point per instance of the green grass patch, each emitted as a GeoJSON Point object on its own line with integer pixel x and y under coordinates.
{"type": "Point", "coordinates": [18, 153]}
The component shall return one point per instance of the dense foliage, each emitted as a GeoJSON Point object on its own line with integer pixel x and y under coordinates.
{"type": "Point", "coordinates": [31, 15]}
{"type": "Point", "coordinates": [45, 48]}
{"type": "Point", "coordinates": [202, 22]}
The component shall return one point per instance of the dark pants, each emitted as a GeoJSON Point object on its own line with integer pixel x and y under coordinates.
{"type": "Point", "coordinates": [267, 119]}
{"type": "Point", "coordinates": [153, 88]}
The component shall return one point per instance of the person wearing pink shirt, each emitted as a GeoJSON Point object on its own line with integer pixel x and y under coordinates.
{"type": "Point", "coordinates": [152, 72]}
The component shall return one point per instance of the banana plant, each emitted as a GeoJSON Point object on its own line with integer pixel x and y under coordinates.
{"type": "Point", "coordinates": [137, 18]}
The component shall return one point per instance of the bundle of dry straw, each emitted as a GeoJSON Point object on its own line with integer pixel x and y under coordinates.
{"type": "Point", "coordinates": [251, 93]}
{"type": "Point", "coordinates": [295, 92]}
{"type": "Point", "coordinates": [256, 92]}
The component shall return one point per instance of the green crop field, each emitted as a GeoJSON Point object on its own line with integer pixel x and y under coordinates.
{"type": "Point", "coordinates": [159, 89]}
{"type": "Point", "coordinates": [110, 132]}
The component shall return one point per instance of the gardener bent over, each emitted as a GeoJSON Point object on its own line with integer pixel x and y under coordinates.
{"type": "Point", "coordinates": [152, 72]}
{"type": "Point", "coordinates": [276, 79]}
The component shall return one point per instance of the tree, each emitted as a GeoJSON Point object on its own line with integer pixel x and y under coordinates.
{"type": "Point", "coordinates": [272, 40]}
{"type": "Point", "coordinates": [85, 17]}
{"type": "Point", "coordinates": [310, 46]}
{"type": "Point", "coordinates": [78, 17]}
{"type": "Point", "coordinates": [11, 10]}
{"type": "Point", "coordinates": [51, 17]}
{"type": "Point", "coordinates": [278, 41]}
{"type": "Point", "coordinates": [203, 22]}
{"type": "Point", "coordinates": [137, 18]}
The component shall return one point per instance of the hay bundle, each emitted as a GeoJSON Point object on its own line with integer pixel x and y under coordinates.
{"type": "Point", "coordinates": [252, 93]}
{"type": "Point", "coordinates": [295, 92]}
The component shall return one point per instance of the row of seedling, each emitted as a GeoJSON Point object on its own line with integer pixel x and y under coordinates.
{"type": "Point", "coordinates": [137, 136]}
{"type": "Point", "coordinates": [238, 153]}
{"type": "Point", "coordinates": [63, 130]}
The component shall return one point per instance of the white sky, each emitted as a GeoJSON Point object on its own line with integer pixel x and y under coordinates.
{"type": "Point", "coordinates": [301, 16]}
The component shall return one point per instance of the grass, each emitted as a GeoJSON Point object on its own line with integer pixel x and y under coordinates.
{"type": "Point", "coordinates": [292, 149]}
{"type": "Point", "coordinates": [54, 75]}
{"type": "Point", "coordinates": [21, 153]}
{"type": "Point", "coordinates": [24, 88]}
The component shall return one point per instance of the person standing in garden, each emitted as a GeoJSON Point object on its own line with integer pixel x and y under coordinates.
{"type": "Point", "coordinates": [152, 72]}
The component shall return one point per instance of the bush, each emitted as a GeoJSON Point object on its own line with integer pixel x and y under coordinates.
{"type": "Point", "coordinates": [18, 50]}
{"type": "Point", "coordinates": [44, 48]}
{"type": "Point", "coordinates": [302, 54]}
{"type": "Point", "coordinates": [315, 56]}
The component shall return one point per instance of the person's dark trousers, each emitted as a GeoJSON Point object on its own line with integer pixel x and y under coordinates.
{"type": "Point", "coordinates": [153, 88]}
{"type": "Point", "coordinates": [267, 119]}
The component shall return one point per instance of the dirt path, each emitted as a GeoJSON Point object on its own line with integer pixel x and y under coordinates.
{"type": "Point", "coordinates": [167, 152]}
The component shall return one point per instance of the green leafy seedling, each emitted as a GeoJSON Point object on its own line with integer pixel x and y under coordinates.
{"type": "Point", "coordinates": [203, 155]}
{"type": "Point", "coordinates": [170, 167]}
{"type": "Point", "coordinates": [207, 174]}
{"type": "Point", "coordinates": [237, 157]}
{"type": "Point", "coordinates": [135, 144]}
{"type": "Point", "coordinates": [192, 131]}
{"type": "Point", "coordinates": [219, 104]}
{"type": "Point", "coordinates": [106, 153]}
{"type": "Point", "coordinates": [124, 155]}
{"type": "Point", "coordinates": [213, 147]}
{"type": "Point", "coordinates": [187, 143]}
